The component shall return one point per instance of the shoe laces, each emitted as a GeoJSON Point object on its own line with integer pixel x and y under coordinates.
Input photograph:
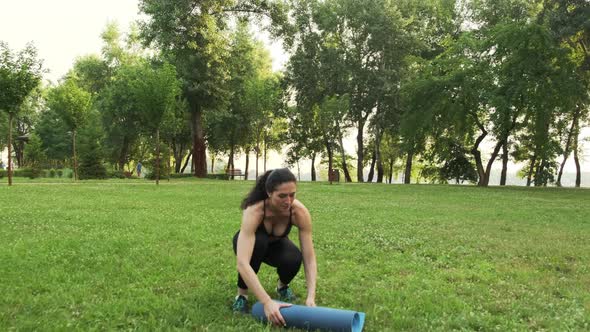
{"type": "Point", "coordinates": [286, 294]}
{"type": "Point", "coordinates": [240, 304]}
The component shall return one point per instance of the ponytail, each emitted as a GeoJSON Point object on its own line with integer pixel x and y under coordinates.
{"type": "Point", "coordinates": [267, 182]}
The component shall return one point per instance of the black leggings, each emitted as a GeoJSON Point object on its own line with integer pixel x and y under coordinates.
{"type": "Point", "coordinates": [281, 253]}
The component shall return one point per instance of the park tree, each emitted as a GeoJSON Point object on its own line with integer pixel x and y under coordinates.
{"type": "Point", "coordinates": [230, 128]}
{"type": "Point", "coordinates": [177, 133]}
{"type": "Point", "coordinates": [120, 115]}
{"type": "Point", "coordinates": [329, 116]}
{"type": "Point", "coordinates": [263, 93]}
{"type": "Point", "coordinates": [20, 73]}
{"type": "Point", "coordinates": [91, 150]}
{"type": "Point", "coordinates": [154, 91]}
{"type": "Point", "coordinates": [34, 154]}
{"type": "Point", "coordinates": [568, 22]}
{"type": "Point", "coordinates": [24, 123]}
{"type": "Point", "coordinates": [317, 76]}
{"type": "Point", "coordinates": [92, 73]}
{"type": "Point", "coordinates": [192, 35]}
{"type": "Point", "coordinates": [54, 136]}
{"type": "Point", "coordinates": [434, 27]}
{"type": "Point", "coordinates": [73, 105]}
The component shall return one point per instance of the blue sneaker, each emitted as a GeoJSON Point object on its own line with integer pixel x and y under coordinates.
{"type": "Point", "coordinates": [286, 294]}
{"type": "Point", "coordinates": [240, 305]}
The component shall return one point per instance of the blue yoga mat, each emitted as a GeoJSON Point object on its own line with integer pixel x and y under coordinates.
{"type": "Point", "coordinates": [316, 318]}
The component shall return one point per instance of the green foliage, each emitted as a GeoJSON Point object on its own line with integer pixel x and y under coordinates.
{"type": "Point", "coordinates": [154, 91]}
{"type": "Point", "coordinates": [71, 102]}
{"type": "Point", "coordinates": [54, 135]}
{"type": "Point", "coordinates": [91, 167]}
{"type": "Point", "coordinates": [34, 153]}
{"type": "Point", "coordinates": [52, 173]}
{"type": "Point", "coordinates": [20, 73]}
{"type": "Point", "coordinates": [91, 159]}
{"type": "Point", "coordinates": [31, 173]}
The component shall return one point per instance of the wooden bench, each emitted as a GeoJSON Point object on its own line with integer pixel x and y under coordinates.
{"type": "Point", "coordinates": [233, 172]}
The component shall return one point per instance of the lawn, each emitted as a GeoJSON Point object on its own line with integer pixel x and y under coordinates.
{"type": "Point", "coordinates": [126, 254]}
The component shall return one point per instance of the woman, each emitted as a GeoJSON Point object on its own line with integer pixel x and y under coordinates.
{"type": "Point", "coordinates": [269, 212]}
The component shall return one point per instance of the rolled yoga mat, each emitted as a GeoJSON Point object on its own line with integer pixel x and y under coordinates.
{"type": "Point", "coordinates": [316, 318]}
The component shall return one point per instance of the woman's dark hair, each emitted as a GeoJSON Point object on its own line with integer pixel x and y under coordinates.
{"type": "Point", "coordinates": [267, 183]}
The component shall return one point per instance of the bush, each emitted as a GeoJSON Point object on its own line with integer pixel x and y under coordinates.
{"type": "Point", "coordinates": [60, 172]}
{"type": "Point", "coordinates": [91, 167]}
{"type": "Point", "coordinates": [221, 176]}
{"type": "Point", "coordinates": [36, 173]}
{"type": "Point", "coordinates": [31, 173]}
{"type": "Point", "coordinates": [51, 173]}
{"type": "Point", "coordinates": [120, 174]}
{"type": "Point", "coordinates": [3, 173]}
{"type": "Point", "coordinates": [181, 175]}
{"type": "Point", "coordinates": [151, 175]}
{"type": "Point", "coordinates": [117, 174]}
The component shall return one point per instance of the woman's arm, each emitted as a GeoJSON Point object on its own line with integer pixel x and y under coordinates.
{"type": "Point", "coordinates": [309, 260]}
{"type": "Point", "coordinates": [245, 247]}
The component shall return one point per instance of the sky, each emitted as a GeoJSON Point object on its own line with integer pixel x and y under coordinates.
{"type": "Point", "coordinates": [63, 30]}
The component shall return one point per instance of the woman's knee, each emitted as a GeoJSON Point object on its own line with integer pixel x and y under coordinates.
{"type": "Point", "coordinates": [292, 257]}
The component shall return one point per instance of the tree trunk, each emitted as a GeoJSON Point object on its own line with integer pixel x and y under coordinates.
{"type": "Point", "coordinates": [10, 117]}
{"type": "Point", "coordinates": [19, 148]}
{"type": "Point", "coordinates": [75, 157]}
{"type": "Point", "coordinates": [179, 152]}
{"type": "Point", "coordinates": [530, 172]}
{"type": "Point", "coordinates": [504, 163]}
{"type": "Point", "coordinates": [490, 162]}
{"type": "Point", "coordinates": [408, 170]}
{"type": "Point", "coordinates": [477, 155]}
{"type": "Point", "coordinates": [212, 163]}
{"type": "Point", "coordinates": [372, 168]}
{"type": "Point", "coordinates": [123, 153]}
{"type": "Point", "coordinates": [247, 163]}
{"type": "Point", "coordinates": [298, 171]}
{"type": "Point", "coordinates": [391, 170]}
{"type": "Point", "coordinates": [265, 152]}
{"type": "Point", "coordinates": [313, 176]}
{"type": "Point", "coordinates": [360, 152]}
{"type": "Point", "coordinates": [330, 159]}
{"type": "Point", "coordinates": [378, 157]}
{"type": "Point", "coordinates": [567, 149]}
{"type": "Point", "coordinates": [199, 150]}
{"type": "Point", "coordinates": [230, 162]}
{"type": "Point", "coordinates": [168, 159]}
{"type": "Point", "coordinates": [577, 162]}
{"type": "Point", "coordinates": [175, 154]}
{"type": "Point", "coordinates": [257, 150]}
{"type": "Point", "coordinates": [190, 153]}
{"type": "Point", "coordinates": [347, 177]}
{"type": "Point", "coordinates": [577, 159]}
{"type": "Point", "coordinates": [158, 156]}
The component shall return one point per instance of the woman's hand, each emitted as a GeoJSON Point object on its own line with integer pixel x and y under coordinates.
{"type": "Point", "coordinates": [273, 314]}
{"type": "Point", "coordinates": [310, 302]}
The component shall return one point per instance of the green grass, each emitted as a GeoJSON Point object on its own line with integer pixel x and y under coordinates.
{"type": "Point", "coordinates": [124, 254]}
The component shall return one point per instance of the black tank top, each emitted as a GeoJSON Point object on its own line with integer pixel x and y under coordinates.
{"type": "Point", "coordinates": [287, 231]}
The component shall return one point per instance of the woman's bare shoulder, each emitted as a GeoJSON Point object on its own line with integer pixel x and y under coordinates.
{"type": "Point", "coordinates": [254, 211]}
{"type": "Point", "coordinates": [300, 212]}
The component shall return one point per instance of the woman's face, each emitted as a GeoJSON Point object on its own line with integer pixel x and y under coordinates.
{"type": "Point", "coordinates": [282, 198]}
